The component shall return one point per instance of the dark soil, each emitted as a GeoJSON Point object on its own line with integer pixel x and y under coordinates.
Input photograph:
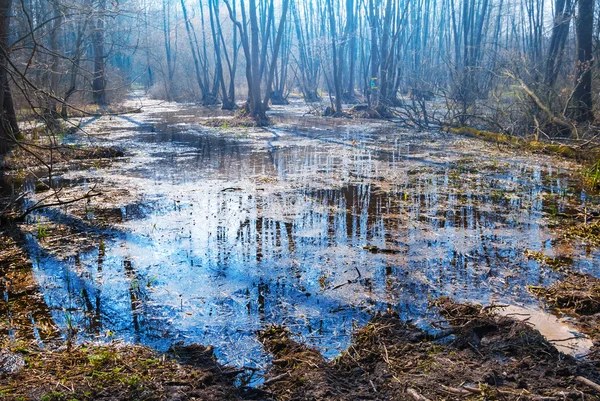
{"type": "Point", "coordinates": [489, 357]}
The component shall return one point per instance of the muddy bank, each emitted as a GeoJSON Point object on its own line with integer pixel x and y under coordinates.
{"type": "Point", "coordinates": [578, 297]}
{"type": "Point", "coordinates": [116, 372]}
{"type": "Point", "coordinates": [478, 355]}
{"type": "Point", "coordinates": [486, 357]}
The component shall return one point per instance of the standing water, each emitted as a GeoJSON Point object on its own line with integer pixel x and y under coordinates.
{"type": "Point", "coordinates": [228, 230]}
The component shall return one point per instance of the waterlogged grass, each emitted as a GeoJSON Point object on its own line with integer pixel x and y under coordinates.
{"type": "Point", "coordinates": [591, 177]}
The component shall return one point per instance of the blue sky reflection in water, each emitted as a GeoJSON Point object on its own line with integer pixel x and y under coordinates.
{"type": "Point", "coordinates": [233, 229]}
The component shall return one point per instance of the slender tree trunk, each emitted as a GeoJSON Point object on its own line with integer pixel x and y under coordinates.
{"type": "Point", "coordinates": [336, 70]}
{"type": "Point", "coordinates": [214, 15]}
{"type": "Point", "coordinates": [280, 32]}
{"type": "Point", "coordinates": [50, 113]}
{"type": "Point", "coordinates": [193, 50]}
{"type": "Point", "coordinates": [256, 107]}
{"type": "Point", "coordinates": [99, 80]}
{"type": "Point", "coordinates": [374, 91]}
{"type": "Point", "coordinates": [168, 49]}
{"type": "Point", "coordinates": [74, 69]}
{"type": "Point", "coordinates": [351, 34]}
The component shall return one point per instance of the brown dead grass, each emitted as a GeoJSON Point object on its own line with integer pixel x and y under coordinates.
{"type": "Point", "coordinates": [577, 296]}
{"type": "Point", "coordinates": [490, 357]}
{"type": "Point", "coordinates": [115, 372]}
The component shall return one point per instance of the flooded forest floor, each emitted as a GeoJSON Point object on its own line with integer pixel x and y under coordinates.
{"type": "Point", "coordinates": [317, 259]}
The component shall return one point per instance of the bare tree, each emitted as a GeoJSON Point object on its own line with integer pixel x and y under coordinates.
{"type": "Point", "coordinates": [8, 121]}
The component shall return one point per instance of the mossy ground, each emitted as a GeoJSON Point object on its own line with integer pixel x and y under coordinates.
{"type": "Point", "coordinates": [535, 146]}
{"type": "Point", "coordinates": [115, 372]}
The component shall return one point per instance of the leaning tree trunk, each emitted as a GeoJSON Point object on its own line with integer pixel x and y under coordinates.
{"type": "Point", "coordinates": [583, 91]}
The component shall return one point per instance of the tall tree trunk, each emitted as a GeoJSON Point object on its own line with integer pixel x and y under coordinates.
{"type": "Point", "coordinates": [99, 80]}
{"type": "Point", "coordinates": [336, 70]}
{"type": "Point", "coordinates": [214, 15]}
{"type": "Point", "coordinates": [257, 109]}
{"type": "Point", "coordinates": [583, 90]}
{"type": "Point", "coordinates": [280, 32]}
{"type": "Point", "coordinates": [50, 114]}
{"type": "Point", "coordinates": [374, 92]}
{"type": "Point", "coordinates": [560, 31]}
{"type": "Point", "coordinates": [195, 55]}
{"type": "Point", "coordinates": [351, 34]}
{"type": "Point", "coordinates": [168, 49]}
{"type": "Point", "coordinates": [8, 121]}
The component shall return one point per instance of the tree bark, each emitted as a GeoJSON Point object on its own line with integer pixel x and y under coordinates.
{"type": "Point", "coordinates": [280, 31]}
{"type": "Point", "coordinates": [8, 121]}
{"type": "Point", "coordinates": [583, 91]}
{"type": "Point", "coordinates": [99, 81]}
{"type": "Point", "coordinates": [560, 31]}
{"type": "Point", "coordinates": [193, 50]}
{"type": "Point", "coordinates": [336, 70]}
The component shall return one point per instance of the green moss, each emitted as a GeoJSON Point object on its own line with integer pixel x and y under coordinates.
{"type": "Point", "coordinates": [586, 232]}
{"type": "Point", "coordinates": [101, 358]}
{"type": "Point", "coordinates": [560, 263]}
{"type": "Point", "coordinates": [531, 145]}
{"type": "Point", "coordinates": [54, 396]}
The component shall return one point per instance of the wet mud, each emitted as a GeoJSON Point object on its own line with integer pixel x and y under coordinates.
{"type": "Point", "coordinates": [487, 356]}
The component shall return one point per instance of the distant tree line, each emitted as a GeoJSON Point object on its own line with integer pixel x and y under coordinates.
{"type": "Point", "coordinates": [514, 65]}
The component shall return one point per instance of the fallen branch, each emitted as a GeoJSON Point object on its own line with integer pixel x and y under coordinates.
{"type": "Point", "coordinates": [551, 116]}
{"type": "Point", "coordinates": [457, 391]}
{"type": "Point", "coordinates": [276, 379]}
{"type": "Point", "coordinates": [474, 390]}
{"type": "Point", "coordinates": [41, 205]}
{"type": "Point", "coordinates": [588, 383]}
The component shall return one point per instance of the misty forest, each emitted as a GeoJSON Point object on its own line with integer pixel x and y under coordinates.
{"type": "Point", "coordinates": [299, 200]}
